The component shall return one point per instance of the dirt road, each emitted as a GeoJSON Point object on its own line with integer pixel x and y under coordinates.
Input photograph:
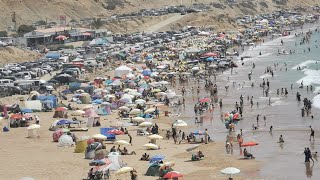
{"type": "Point", "coordinates": [164, 23]}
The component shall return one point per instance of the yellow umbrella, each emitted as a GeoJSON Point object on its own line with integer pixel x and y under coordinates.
{"type": "Point", "coordinates": [155, 136]}
{"type": "Point", "coordinates": [123, 170]}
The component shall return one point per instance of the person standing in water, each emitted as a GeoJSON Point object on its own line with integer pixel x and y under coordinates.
{"type": "Point", "coordinates": [312, 133]}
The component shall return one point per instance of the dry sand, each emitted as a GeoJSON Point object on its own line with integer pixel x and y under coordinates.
{"type": "Point", "coordinates": [12, 54]}
{"type": "Point", "coordinates": [42, 159]}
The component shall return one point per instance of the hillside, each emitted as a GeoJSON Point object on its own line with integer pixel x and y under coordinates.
{"type": "Point", "coordinates": [12, 55]}
{"type": "Point", "coordinates": [29, 11]}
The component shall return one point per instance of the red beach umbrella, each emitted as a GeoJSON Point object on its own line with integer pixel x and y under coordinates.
{"type": "Point", "coordinates": [204, 100]}
{"type": "Point", "coordinates": [115, 131]}
{"type": "Point", "coordinates": [61, 109]}
{"type": "Point", "coordinates": [210, 54]}
{"type": "Point", "coordinates": [172, 175]}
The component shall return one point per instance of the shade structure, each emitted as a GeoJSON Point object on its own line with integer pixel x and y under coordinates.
{"type": "Point", "coordinates": [157, 157]}
{"type": "Point", "coordinates": [116, 132]}
{"type": "Point", "coordinates": [155, 136]}
{"type": "Point", "coordinates": [33, 126]}
{"type": "Point", "coordinates": [145, 124]}
{"type": "Point", "coordinates": [77, 113]}
{"type": "Point", "coordinates": [61, 109]}
{"type": "Point", "coordinates": [230, 171]}
{"type": "Point", "coordinates": [172, 175]}
{"type": "Point", "coordinates": [89, 106]}
{"type": "Point", "coordinates": [123, 170]}
{"type": "Point", "coordinates": [122, 142]}
{"type": "Point", "coordinates": [151, 146]}
{"type": "Point", "coordinates": [150, 110]}
{"type": "Point", "coordinates": [180, 123]}
{"type": "Point", "coordinates": [204, 100]}
{"type": "Point", "coordinates": [138, 119]}
{"type": "Point", "coordinates": [99, 136]}
{"type": "Point", "coordinates": [135, 111]}
{"type": "Point", "coordinates": [124, 108]}
{"type": "Point", "coordinates": [248, 144]}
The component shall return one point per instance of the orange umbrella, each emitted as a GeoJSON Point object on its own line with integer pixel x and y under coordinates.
{"type": "Point", "coordinates": [61, 37]}
{"type": "Point", "coordinates": [16, 116]}
{"type": "Point", "coordinates": [250, 143]}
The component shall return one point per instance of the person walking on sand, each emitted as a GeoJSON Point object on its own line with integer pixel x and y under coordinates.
{"type": "Point", "coordinates": [312, 133]}
{"type": "Point", "coordinates": [130, 139]}
{"type": "Point", "coordinates": [206, 136]}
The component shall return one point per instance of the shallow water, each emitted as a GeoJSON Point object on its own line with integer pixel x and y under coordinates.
{"type": "Point", "coordinates": [284, 113]}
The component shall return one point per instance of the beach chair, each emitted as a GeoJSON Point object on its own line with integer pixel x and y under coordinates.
{"type": "Point", "coordinates": [110, 137]}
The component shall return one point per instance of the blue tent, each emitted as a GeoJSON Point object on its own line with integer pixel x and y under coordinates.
{"type": "Point", "coordinates": [210, 59]}
{"type": "Point", "coordinates": [52, 98]}
{"type": "Point", "coordinates": [104, 131]}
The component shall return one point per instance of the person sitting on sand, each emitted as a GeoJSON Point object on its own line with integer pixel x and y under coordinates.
{"type": "Point", "coordinates": [246, 154]}
{"type": "Point", "coordinates": [113, 149]}
{"type": "Point", "coordinates": [145, 157]}
{"type": "Point", "coordinates": [281, 139]}
{"type": "Point", "coordinates": [200, 154]}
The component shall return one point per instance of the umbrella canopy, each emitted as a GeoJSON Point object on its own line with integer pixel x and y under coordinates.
{"type": "Point", "coordinates": [151, 146]}
{"type": "Point", "coordinates": [63, 122]}
{"type": "Point", "coordinates": [172, 175]}
{"type": "Point", "coordinates": [89, 106]}
{"type": "Point", "coordinates": [138, 119]}
{"type": "Point", "coordinates": [211, 54]}
{"type": "Point", "coordinates": [116, 132]}
{"type": "Point", "coordinates": [124, 108]}
{"type": "Point", "coordinates": [77, 113]}
{"type": "Point", "coordinates": [180, 123]}
{"type": "Point", "coordinates": [204, 100]}
{"type": "Point", "coordinates": [198, 132]}
{"type": "Point", "coordinates": [122, 142]}
{"type": "Point", "coordinates": [251, 143]}
{"type": "Point", "coordinates": [155, 136]}
{"type": "Point", "coordinates": [61, 37]}
{"type": "Point", "coordinates": [230, 171]}
{"type": "Point", "coordinates": [150, 110]}
{"type": "Point", "coordinates": [33, 126]}
{"type": "Point", "coordinates": [145, 124]}
{"type": "Point", "coordinates": [26, 110]}
{"type": "Point", "coordinates": [123, 170]}
{"type": "Point", "coordinates": [99, 136]}
{"type": "Point", "coordinates": [135, 111]}
{"type": "Point", "coordinates": [61, 109]}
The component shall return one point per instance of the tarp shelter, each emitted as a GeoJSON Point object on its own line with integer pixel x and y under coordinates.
{"type": "Point", "coordinates": [34, 105]}
{"type": "Point", "coordinates": [104, 131]}
{"type": "Point", "coordinates": [52, 98]}
{"type": "Point", "coordinates": [122, 70]}
{"type": "Point", "coordinates": [153, 170]}
{"type": "Point", "coordinates": [116, 162]}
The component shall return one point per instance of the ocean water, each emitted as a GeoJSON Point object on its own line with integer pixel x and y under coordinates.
{"type": "Point", "coordinates": [284, 113]}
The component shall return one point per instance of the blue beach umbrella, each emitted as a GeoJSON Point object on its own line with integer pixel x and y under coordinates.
{"type": "Point", "coordinates": [26, 110]}
{"type": "Point", "coordinates": [157, 157]}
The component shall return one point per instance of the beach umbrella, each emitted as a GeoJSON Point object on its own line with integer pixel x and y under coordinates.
{"type": "Point", "coordinates": [97, 162]}
{"type": "Point", "coordinates": [230, 171]}
{"type": "Point", "coordinates": [135, 111]}
{"type": "Point", "coordinates": [151, 146]}
{"type": "Point", "coordinates": [77, 113]}
{"type": "Point", "coordinates": [156, 90]}
{"type": "Point", "coordinates": [157, 157]}
{"type": "Point", "coordinates": [249, 144]}
{"type": "Point", "coordinates": [180, 123]}
{"type": "Point", "coordinates": [61, 38]}
{"type": "Point", "coordinates": [204, 100]}
{"type": "Point", "coordinates": [61, 109]}
{"type": "Point", "coordinates": [161, 94]}
{"type": "Point", "coordinates": [155, 136]}
{"type": "Point", "coordinates": [172, 175]}
{"type": "Point", "coordinates": [89, 106]}
{"type": "Point", "coordinates": [33, 126]}
{"type": "Point", "coordinates": [198, 132]}
{"type": "Point", "coordinates": [168, 164]}
{"type": "Point", "coordinates": [138, 119]}
{"type": "Point", "coordinates": [122, 142]}
{"type": "Point", "coordinates": [150, 110]}
{"type": "Point", "coordinates": [123, 170]}
{"type": "Point", "coordinates": [99, 136]}
{"type": "Point", "coordinates": [140, 101]}
{"type": "Point", "coordinates": [63, 122]}
{"type": "Point", "coordinates": [124, 108]}
{"type": "Point", "coordinates": [116, 132]}
{"type": "Point", "coordinates": [163, 82]}
{"type": "Point", "coordinates": [145, 124]}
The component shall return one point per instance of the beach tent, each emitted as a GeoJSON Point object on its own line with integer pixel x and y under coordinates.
{"type": "Point", "coordinates": [116, 162]}
{"type": "Point", "coordinates": [122, 70]}
{"type": "Point", "coordinates": [34, 105]}
{"type": "Point", "coordinates": [52, 98]}
{"type": "Point", "coordinates": [65, 140]}
{"type": "Point", "coordinates": [153, 170]}
{"type": "Point", "coordinates": [58, 114]}
{"type": "Point", "coordinates": [104, 131]}
{"type": "Point", "coordinates": [85, 98]}
{"type": "Point", "coordinates": [80, 146]}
